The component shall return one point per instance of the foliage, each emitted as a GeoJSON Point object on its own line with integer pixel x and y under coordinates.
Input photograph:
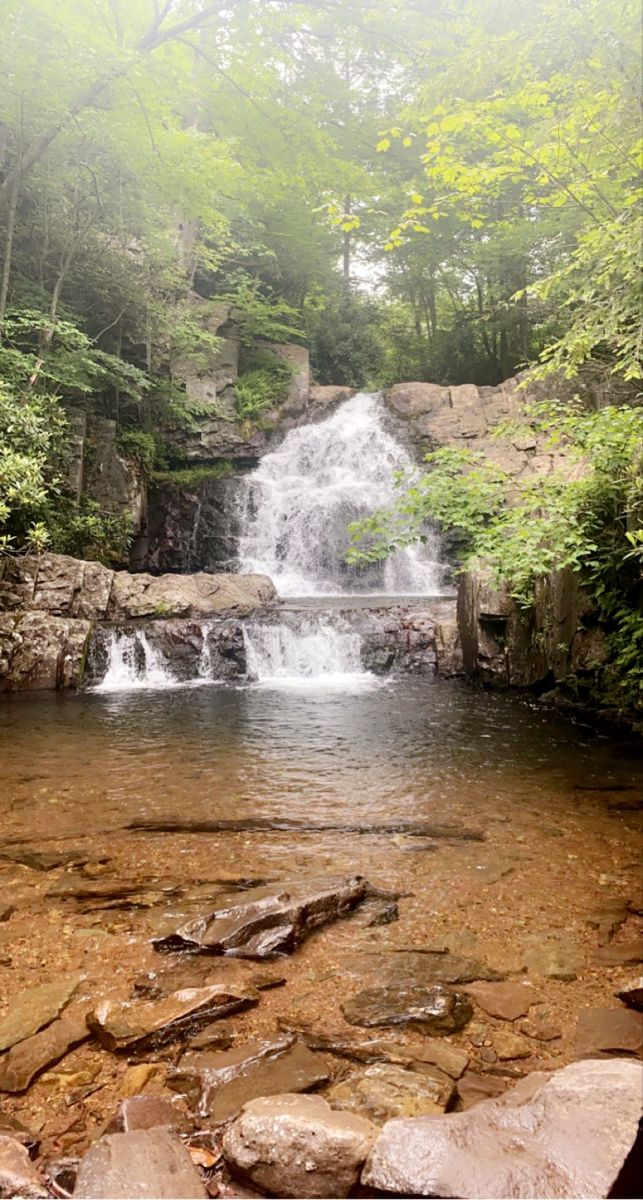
{"type": "Point", "coordinates": [30, 431]}
{"type": "Point", "coordinates": [186, 477]}
{"type": "Point", "coordinates": [141, 446]}
{"type": "Point", "coordinates": [589, 519]}
{"type": "Point", "coordinates": [262, 384]}
{"type": "Point", "coordinates": [87, 532]}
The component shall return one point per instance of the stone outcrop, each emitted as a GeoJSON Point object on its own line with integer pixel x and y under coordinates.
{"type": "Point", "coordinates": [297, 1146]}
{"type": "Point", "coordinates": [49, 605]}
{"type": "Point", "coordinates": [562, 1135]}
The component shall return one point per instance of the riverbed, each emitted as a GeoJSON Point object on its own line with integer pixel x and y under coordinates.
{"type": "Point", "coordinates": [537, 825]}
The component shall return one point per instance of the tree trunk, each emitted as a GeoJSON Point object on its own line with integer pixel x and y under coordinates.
{"type": "Point", "coordinates": [8, 250]}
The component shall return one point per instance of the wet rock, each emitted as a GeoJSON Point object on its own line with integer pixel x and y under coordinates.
{"type": "Point", "coordinates": [427, 967]}
{"type": "Point", "coordinates": [508, 1045]}
{"type": "Point", "coordinates": [607, 918]}
{"type": "Point", "coordinates": [620, 954]}
{"type": "Point", "coordinates": [99, 894]}
{"type": "Point", "coordinates": [631, 993]}
{"type": "Point", "coordinates": [218, 1036]}
{"type": "Point", "coordinates": [383, 1092]}
{"type": "Point", "coordinates": [271, 920]}
{"type": "Point", "coordinates": [147, 1163]}
{"type": "Point", "coordinates": [608, 1031]}
{"type": "Point", "coordinates": [435, 1010]}
{"type": "Point", "coordinates": [29, 1058]}
{"type": "Point", "coordinates": [441, 1054]}
{"type": "Point", "coordinates": [6, 911]}
{"type": "Point", "coordinates": [297, 1146]}
{"type": "Point", "coordinates": [148, 1112]}
{"type": "Point", "coordinates": [553, 958]}
{"type": "Point", "coordinates": [561, 1135]}
{"type": "Point", "coordinates": [196, 971]}
{"type": "Point", "coordinates": [374, 913]}
{"type": "Point", "coordinates": [218, 1085]}
{"type": "Point", "coordinates": [45, 860]}
{"type": "Point", "coordinates": [152, 1023]}
{"type": "Point", "coordinates": [288, 825]}
{"type": "Point", "coordinates": [508, 1001]}
{"type": "Point", "coordinates": [18, 1176]}
{"type": "Point", "coordinates": [472, 1088]}
{"type": "Point", "coordinates": [34, 1008]}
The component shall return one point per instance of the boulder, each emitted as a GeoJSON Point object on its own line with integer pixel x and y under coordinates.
{"type": "Point", "coordinates": [150, 1164]}
{"type": "Point", "coordinates": [218, 1085]}
{"type": "Point", "coordinates": [608, 1031]}
{"type": "Point", "coordinates": [562, 1135]}
{"type": "Point", "coordinates": [27, 1059]}
{"type": "Point", "coordinates": [200, 595]}
{"type": "Point", "coordinates": [385, 1091]}
{"type": "Point", "coordinates": [436, 1010]}
{"type": "Point", "coordinates": [18, 1176]}
{"type": "Point", "coordinates": [270, 920]}
{"type": "Point", "coordinates": [297, 1146]}
{"type": "Point", "coordinates": [138, 1025]}
{"type": "Point", "coordinates": [34, 1008]}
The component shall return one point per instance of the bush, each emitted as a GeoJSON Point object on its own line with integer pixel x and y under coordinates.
{"type": "Point", "coordinates": [263, 383]}
{"type": "Point", "coordinates": [140, 446]}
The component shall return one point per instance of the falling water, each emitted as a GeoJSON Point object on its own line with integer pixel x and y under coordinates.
{"type": "Point", "coordinates": [301, 498]}
{"type": "Point", "coordinates": [133, 662]}
{"type": "Point", "coordinates": [308, 647]}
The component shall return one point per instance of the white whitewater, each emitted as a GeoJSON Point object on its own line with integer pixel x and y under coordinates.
{"type": "Point", "coordinates": [132, 662]}
{"type": "Point", "coordinates": [301, 498]}
{"type": "Point", "coordinates": [317, 649]}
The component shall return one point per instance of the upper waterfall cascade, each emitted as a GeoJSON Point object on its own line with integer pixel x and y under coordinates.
{"type": "Point", "coordinates": [301, 498]}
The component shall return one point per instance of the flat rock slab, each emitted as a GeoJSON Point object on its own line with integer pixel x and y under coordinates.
{"type": "Point", "coordinates": [424, 968]}
{"type": "Point", "coordinates": [620, 954]}
{"type": "Point", "coordinates": [436, 1010]}
{"type": "Point", "coordinates": [608, 1031]}
{"type": "Point", "coordinates": [220, 1084]}
{"type": "Point", "coordinates": [148, 1112]}
{"type": "Point", "coordinates": [508, 1001]}
{"type": "Point", "coordinates": [286, 825]}
{"type": "Point", "coordinates": [564, 1135]}
{"type": "Point", "coordinates": [202, 971]}
{"type": "Point", "coordinates": [18, 1176]}
{"type": "Point", "coordinates": [140, 1025]}
{"type": "Point", "coordinates": [553, 957]}
{"type": "Point", "coordinates": [383, 1091]}
{"type": "Point", "coordinates": [440, 1054]}
{"type": "Point", "coordinates": [298, 1146]}
{"type": "Point", "coordinates": [29, 1058]}
{"type": "Point", "coordinates": [149, 1164]}
{"type": "Point", "coordinates": [34, 1008]}
{"type": "Point", "coordinates": [271, 920]}
{"type": "Point", "coordinates": [631, 993]}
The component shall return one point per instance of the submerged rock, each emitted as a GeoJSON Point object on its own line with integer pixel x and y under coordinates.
{"type": "Point", "coordinates": [34, 1008]}
{"type": "Point", "coordinates": [266, 921]}
{"type": "Point", "coordinates": [297, 1146]}
{"type": "Point", "coordinates": [382, 1092]}
{"type": "Point", "coordinates": [218, 1085]}
{"type": "Point", "coordinates": [141, 1024]}
{"type": "Point", "coordinates": [436, 1009]}
{"type": "Point", "coordinates": [27, 1059]}
{"type": "Point", "coordinates": [554, 958]}
{"type": "Point", "coordinates": [289, 825]}
{"type": "Point", "coordinates": [620, 954]}
{"type": "Point", "coordinates": [560, 1135]}
{"type": "Point", "coordinates": [150, 1164]}
{"type": "Point", "coordinates": [18, 1176]}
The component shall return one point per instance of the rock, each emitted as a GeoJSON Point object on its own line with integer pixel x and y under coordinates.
{"type": "Point", "coordinates": [382, 1092]}
{"type": "Point", "coordinates": [28, 1058]}
{"type": "Point", "coordinates": [11, 1127]}
{"type": "Point", "coordinates": [424, 968]}
{"type": "Point", "coordinates": [148, 1112]}
{"type": "Point", "coordinates": [45, 860]}
{"type": "Point", "coordinates": [620, 954]}
{"type": "Point", "coordinates": [553, 958]}
{"type": "Point", "coordinates": [441, 1054]}
{"type": "Point", "coordinates": [34, 1008]}
{"type": "Point", "coordinates": [473, 1088]}
{"type": "Point", "coordinates": [508, 1001]}
{"type": "Point", "coordinates": [147, 1163]}
{"type": "Point", "coordinates": [137, 1077]}
{"type": "Point", "coordinates": [435, 1010]}
{"type": "Point", "coordinates": [61, 1176]}
{"type": "Point", "coordinates": [607, 918]}
{"type": "Point", "coordinates": [18, 1176]}
{"type": "Point", "coordinates": [269, 920]}
{"type": "Point", "coordinates": [218, 1085]}
{"type": "Point", "coordinates": [508, 1044]}
{"type": "Point", "coordinates": [631, 993]}
{"type": "Point", "coordinates": [6, 911]}
{"type": "Point", "coordinates": [297, 1146]}
{"type": "Point", "coordinates": [417, 399]}
{"type": "Point", "coordinates": [201, 971]}
{"type": "Point", "coordinates": [607, 1031]}
{"type": "Point", "coordinates": [290, 825]}
{"type": "Point", "coordinates": [540, 1026]}
{"type": "Point", "coordinates": [561, 1135]}
{"type": "Point", "coordinates": [198, 595]}
{"type": "Point", "coordinates": [141, 1024]}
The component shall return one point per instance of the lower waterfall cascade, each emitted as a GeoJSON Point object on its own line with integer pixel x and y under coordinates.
{"type": "Point", "coordinates": [296, 507]}
{"type": "Point", "coordinates": [299, 501]}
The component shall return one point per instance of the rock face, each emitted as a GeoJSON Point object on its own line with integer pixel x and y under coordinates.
{"type": "Point", "coordinates": [563, 1135]}
{"type": "Point", "coordinates": [297, 1146]}
{"type": "Point", "coordinates": [150, 1163]}
{"type": "Point", "coordinates": [436, 1010]}
{"type": "Point", "coordinates": [18, 1176]}
{"type": "Point", "coordinates": [141, 1024]}
{"type": "Point", "coordinates": [269, 920]}
{"type": "Point", "coordinates": [38, 652]}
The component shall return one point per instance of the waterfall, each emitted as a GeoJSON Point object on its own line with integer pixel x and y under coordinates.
{"type": "Point", "coordinates": [129, 660]}
{"type": "Point", "coordinates": [298, 503]}
{"type": "Point", "coordinates": [319, 648]}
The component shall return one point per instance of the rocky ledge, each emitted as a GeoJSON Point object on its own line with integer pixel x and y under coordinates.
{"type": "Point", "coordinates": [50, 604]}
